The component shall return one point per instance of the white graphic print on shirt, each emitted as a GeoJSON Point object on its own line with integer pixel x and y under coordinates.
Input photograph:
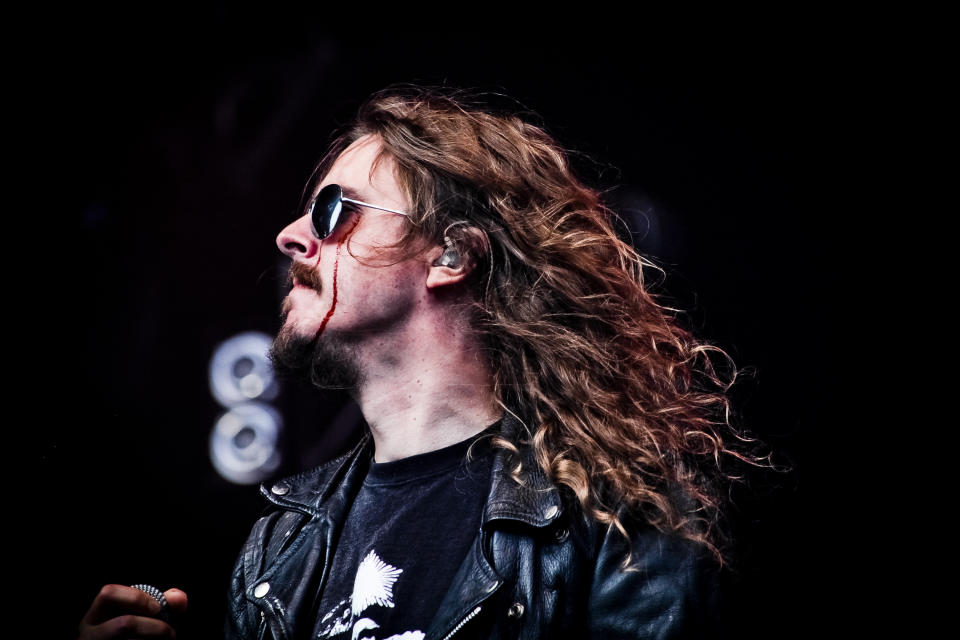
{"type": "Point", "coordinates": [373, 585]}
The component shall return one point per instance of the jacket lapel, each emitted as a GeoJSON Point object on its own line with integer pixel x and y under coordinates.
{"type": "Point", "coordinates": [296, 577]}
{"type": "Point", "coordinates": [534, 501]}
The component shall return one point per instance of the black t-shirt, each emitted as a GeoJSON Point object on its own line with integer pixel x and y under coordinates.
{"type": "Point", "coordinates": [406, 534]}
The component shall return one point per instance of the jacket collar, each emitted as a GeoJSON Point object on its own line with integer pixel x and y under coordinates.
{"type": "Point", "coordinates": [327, 490]}
{"type": "Point", "coordinates": [534, 500]}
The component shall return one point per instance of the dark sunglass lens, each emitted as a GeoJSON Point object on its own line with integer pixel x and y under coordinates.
{"type": "Point", "coordinates": [326, 210]}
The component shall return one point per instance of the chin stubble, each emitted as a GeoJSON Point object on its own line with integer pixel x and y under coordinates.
{"type": "Point", "coordinates": [327, 363]}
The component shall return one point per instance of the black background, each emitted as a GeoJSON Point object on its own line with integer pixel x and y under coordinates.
{"type": "Point", "coordinates": [173, 159]}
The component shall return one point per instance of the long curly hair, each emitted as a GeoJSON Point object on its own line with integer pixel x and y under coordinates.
{"type": "Point", "coordinates": [621, 405]}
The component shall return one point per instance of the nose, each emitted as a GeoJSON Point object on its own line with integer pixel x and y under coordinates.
{"type": "Point", "coordinates": [297, 240]}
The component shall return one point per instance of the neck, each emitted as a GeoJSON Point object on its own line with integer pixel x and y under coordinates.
{"type": "Point", "coordinates": [434, 393]}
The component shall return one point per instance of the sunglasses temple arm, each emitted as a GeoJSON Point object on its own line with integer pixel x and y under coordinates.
{"type": "Point", "coordinates": [373, 206]}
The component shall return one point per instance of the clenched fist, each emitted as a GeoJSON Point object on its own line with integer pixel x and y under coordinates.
{"type": "Point", "coordinates": [124, 612]}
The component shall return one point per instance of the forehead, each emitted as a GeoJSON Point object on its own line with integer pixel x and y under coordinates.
{"type": "Point", "coordinates": [354, 170]}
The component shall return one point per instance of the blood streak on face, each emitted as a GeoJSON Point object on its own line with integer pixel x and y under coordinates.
{"type": "Point", "coordinates": [336, 265]}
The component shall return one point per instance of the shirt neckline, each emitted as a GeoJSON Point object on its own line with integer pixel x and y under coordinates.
{"type": "Point", "coordinates": [430, 463]}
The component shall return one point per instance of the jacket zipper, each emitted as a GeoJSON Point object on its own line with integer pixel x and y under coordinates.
{"type": "Point", "coordinates": [462, 622]}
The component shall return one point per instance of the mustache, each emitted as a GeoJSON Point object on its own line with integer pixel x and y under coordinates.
{"type": "Point", "coordinates": [305, 275]}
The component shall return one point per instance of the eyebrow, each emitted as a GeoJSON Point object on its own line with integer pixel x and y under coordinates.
{"type": "Point", "coordinates": [353, 194]}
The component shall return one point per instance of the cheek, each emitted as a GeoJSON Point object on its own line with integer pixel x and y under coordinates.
{"type": "Point", "coordinates": [335, 279]}
{"type": "Point", "coordinates": [381, 295]}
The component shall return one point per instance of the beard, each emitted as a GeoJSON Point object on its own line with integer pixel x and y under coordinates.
{"type": "Point", "coordinates": [327, 362]}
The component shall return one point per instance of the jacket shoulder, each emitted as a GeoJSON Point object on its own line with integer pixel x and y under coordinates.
{"type": "Point", "coordinates": [670, 589]}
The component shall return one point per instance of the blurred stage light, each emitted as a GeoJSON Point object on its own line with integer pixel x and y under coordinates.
{"type": "Point", "coordinates": [240, 370]}
{"type": "Point", "coordinates": [243, 443]}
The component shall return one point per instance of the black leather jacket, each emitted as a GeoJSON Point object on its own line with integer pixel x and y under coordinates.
{"type": "Point", "coordinates": [537, 569]}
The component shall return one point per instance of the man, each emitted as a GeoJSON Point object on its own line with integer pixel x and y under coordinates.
{"type": "Point", "coordinates": [536, 421]}
{"type": "Point", "coordinates": [543, 442]}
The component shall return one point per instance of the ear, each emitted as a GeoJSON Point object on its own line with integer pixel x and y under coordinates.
{"type": "Point", "coordinates": [455, 260]}
{"type": "Point", "coordinates": [448, 265]}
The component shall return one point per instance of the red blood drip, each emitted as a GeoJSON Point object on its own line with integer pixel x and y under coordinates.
{"type": "Point", "coordinates": [336, 265]}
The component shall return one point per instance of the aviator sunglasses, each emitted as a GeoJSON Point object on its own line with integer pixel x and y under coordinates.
{"type": "Point", "coordinates": [325, 209]}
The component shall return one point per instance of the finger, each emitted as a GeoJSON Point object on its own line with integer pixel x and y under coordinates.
{"type": "Point", "coordinates": [176, 600]}
{"type": "Point", "coordinates": [115, 599]}
{"type": "Point", "coordinates": [133, 627]}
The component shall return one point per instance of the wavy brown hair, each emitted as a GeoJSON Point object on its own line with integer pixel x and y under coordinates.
{"type": "Point", "coordinates": [622, 405]}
